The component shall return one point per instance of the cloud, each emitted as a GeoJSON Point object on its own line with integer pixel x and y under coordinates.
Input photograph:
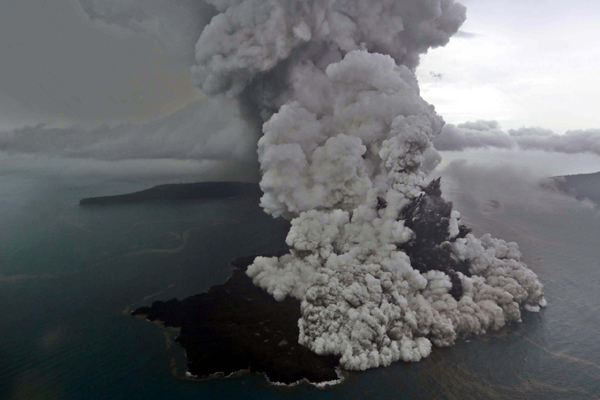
{"type": "Point", "coordinates": [465, 35]}
{"type": "Point", "coordinates": [143, 173]}
{"type": "Point", "coordinates": [274, 51]}
{"type": "Point", "coordinates": [90, 73]}
{"type": "Point", "coordinates": [474, 135]}
{"type": "Point", "coordinates": [502, 191]}
{"type": "Point", "coordinates": [501, 184]}
{"type": "Point", "coordinates": [572, 142]}
{"type": "Point", "coordinates": [346, 141]}
{"type": "Point", "coordinates": [208, 130]}
{"type": "Point", "coordinates": [488, 134]}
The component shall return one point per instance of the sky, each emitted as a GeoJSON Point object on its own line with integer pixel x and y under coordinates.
{"type": "Point", "coordinates": [59, 67]}
{"type": "Point", "coordinates": [522, 63]}
{"type": "Point", "coordinates": [519, 62]}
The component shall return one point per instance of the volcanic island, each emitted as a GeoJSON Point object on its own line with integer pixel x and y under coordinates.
{"type": "Point", "coordinates": [235, 327]}
{"type": "Point", "coordinates": [238, 327]}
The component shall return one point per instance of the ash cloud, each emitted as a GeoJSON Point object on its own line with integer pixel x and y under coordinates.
{"type": "Point", "coordinates": [488, 134]}
{"type": "Point", "coordinates": [382, 264]}
{"type": "Point", "coordinates": [503, 184]}
{"type": "Point", "coordinates": [272, 52]}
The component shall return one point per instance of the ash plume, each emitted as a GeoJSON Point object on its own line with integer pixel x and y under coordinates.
{"type": "Point", "coordinates": [272, 52]}
{"type": "Point", "coordinates": [381, 263]}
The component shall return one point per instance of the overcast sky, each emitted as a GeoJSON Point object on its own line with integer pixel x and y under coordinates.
{"type": "Point", "coordinates": [521, 62]}
{"type": "Point", "coordinates": [57, 66]}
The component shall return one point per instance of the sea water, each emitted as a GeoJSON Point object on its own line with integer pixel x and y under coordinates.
{"type": "Point", "coordinates": [69, 276]}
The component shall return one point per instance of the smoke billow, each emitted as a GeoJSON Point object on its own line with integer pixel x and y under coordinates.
{"type": "Point", "coordinates": [380, 261]}
{"type": "Point", "coordinates": [273, 52]}
{"type": "Point", "coordinates": [175, 23]}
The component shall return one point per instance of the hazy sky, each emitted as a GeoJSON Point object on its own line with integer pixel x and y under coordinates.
{"type": "Point", "coordinates": [521, 62]}
{"type": "Point", "coordinates": [58, 67]}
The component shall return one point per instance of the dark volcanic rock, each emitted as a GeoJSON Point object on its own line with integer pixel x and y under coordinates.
{"type": "Point", "coordinates": [181, 192]}
{"type": "Point", "coordinates": [237, 326]}
{"type": "Point", "coordinates": [429, 217]}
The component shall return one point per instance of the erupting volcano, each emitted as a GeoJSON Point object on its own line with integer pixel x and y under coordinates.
{"type": "Point", "coordinates": [379, 261]}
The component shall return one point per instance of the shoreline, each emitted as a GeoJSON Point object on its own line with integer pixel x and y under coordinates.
{"type": "Point", "coordinates": [236, 328]}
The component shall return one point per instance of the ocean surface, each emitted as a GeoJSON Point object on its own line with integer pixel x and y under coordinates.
{"type": "Point", "coordinates": [69, 276]}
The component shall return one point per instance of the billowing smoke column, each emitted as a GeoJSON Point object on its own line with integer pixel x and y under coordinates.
{"type": "Point", "coordinates": [380, 261]}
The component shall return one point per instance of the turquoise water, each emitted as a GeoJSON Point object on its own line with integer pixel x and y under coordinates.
{"type": "Point", "coordinates": [68, 276]}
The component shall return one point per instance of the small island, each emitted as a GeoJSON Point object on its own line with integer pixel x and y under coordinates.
{"type": "Point", "coordinates": [181, 192]}
{"type": "Point", "coordinates": [237, 327]}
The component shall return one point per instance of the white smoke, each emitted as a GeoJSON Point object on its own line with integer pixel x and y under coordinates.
{"type": "Point", "coordinates": [488, 134]}
{"type": "Point", "coordinates": [345, 152]}
{"type": "Point", "coordinates": [343, 155]}
{"type": "Point", "coordinates": [301, 37]}
{"type": "Point", "coordinates": [332, 158]}
{"type": "Point", "coordinates": [361, 298]}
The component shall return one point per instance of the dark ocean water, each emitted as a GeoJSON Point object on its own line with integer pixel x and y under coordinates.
{"type": "Point", "coordinates": [69, 275]}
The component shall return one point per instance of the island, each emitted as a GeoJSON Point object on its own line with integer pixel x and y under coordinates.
{"type": "Point", "coordinates": [181, 192]}
{"type": "Point", "coordinates": [582, 186]}
{"type": "Point", "coordinates": [237, 327]}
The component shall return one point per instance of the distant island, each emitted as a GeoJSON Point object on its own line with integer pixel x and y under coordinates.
{"type": "Point", "coordinates": [237, 327]}
{"type": "Point", "coordinates": [582, 186]}
{"type": "Point", "coordinates": [181, 192]}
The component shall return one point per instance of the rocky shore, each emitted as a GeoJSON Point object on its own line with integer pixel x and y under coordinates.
{"type": "Point", "coordinates": [238, 327]}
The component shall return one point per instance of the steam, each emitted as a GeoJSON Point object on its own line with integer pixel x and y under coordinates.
{"type": "Point", "coordinates": [382, 264]}
{"type": "Point", "coordinates": [276, 51]}
{"type": "Point", "coordinates": [488, 134]}
{"type": "Point", "coordinates": [380, 261]}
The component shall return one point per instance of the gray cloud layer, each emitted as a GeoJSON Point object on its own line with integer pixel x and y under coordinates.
{"type": "Point", "coordinates": [209, 130]}
{"type": "Point", "coordinates": [488, 134]}
{"type": "Point", "coordinates": [61, 68]}
{"type": "Point", "coordinates": [343, 156]}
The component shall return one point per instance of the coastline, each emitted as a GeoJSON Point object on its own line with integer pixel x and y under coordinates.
{"type": "Point", "coordinates": [236, 328]}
